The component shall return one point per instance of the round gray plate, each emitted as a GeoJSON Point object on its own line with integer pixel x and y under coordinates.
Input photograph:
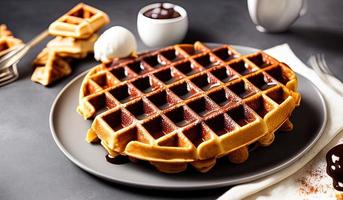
{"type": "Point", "coordinates": [69, 130]}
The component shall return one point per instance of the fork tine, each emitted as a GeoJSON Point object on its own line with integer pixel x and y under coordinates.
{"type": "Point", "coordinates": [312, 61]}
{"type": "Point", "coordinates": [325, 66]}
{"type": "Point", "coordinates": [320, 67]}
{"type": "Point", "coordinates": [8, 79]}
{"type": "Point", "coordinates": [318, 63]}
{"type": "Point", "coordinates": [14, 51]}
{"type": "Point", "coordinates": [4, 73]}
{"type": "Point", "coordinates": [3, 79]}
{"type": "Point", "coordinates": [8, 75]}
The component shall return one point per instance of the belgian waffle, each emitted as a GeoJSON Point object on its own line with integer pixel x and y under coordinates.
{"type": "Point", "coordinates": [80, 22]}
{"type": "Point", "coordinates": [188, 104]}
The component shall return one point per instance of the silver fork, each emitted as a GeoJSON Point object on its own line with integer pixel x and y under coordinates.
{"type": "Point", "coordinates": [319, 65]}
{"type": "Point", "coordinates": [8, 62]}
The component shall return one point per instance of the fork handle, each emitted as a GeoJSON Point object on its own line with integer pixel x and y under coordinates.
{"type": "Point", "coordinates": [14, 57]}
{"type": "Point", "coordinates": [38, 38]}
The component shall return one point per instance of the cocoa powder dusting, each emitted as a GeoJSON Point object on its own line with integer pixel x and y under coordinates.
{"type": "Point", "coordinates": [315, 184]}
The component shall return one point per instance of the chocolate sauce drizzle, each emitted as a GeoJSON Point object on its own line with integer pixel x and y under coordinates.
{"type": "Point", "coordinates": [118, 160]}
{"type": "Point", "coordinates": [162, 12]}
{"type": "Point", "coordinates": [334, 168]}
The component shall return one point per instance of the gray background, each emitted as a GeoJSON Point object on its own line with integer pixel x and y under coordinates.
{"type": "Point", "coordinates": [31, 165]}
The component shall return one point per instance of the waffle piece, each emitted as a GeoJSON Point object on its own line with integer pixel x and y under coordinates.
{"type": "Point", "coordinates": [49, 67]}
{"type": "Point", "coordinates": [7, 43]}
{"type": "Point", "coordinates": [71, 47]}
{"type": "Point", "coordinates": [188, 104]}
{"type": "Point", "coordinates": [80, 22]}
{"type": "Point", "coordinates": [41, 58]}
{"type": "Point", "coordinates": [4, 32]}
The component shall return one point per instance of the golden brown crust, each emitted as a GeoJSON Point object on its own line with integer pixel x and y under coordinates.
{"type": "Point", "coordinates": [4, 32]}
{"type": "Point", "coordinates": [80, 22]}
{"type": "Point", "coordinates": [72, 48]}
{"type": "Point", "coordinates": [267, 139]}
{"type": "Point", "coordinates": [239, 156]}
{"type": "Point", "coordinates": [8, 43]}
{"type": "Point", "coordinates": [287, 126]}
{"type": "Point", "coordinates": [50, 68]}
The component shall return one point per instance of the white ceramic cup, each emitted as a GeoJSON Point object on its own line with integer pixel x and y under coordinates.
{"type": "Point", "coordinates": [162, 32]}
{"type": "Point", "coordinates": [275, 15]}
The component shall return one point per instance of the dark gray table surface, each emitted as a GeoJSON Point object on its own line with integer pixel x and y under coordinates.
{"type": "Point", "coordinates": [31, 165]}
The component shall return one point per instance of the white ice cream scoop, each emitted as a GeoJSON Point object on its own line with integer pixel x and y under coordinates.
{"type": "Point", "coordinates": [115, 42]}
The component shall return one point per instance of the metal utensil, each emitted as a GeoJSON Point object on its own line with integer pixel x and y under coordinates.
{"type": "Point", "coordinates": [8, 62]}
{"type": "Point", "coordinates": [319, 65]}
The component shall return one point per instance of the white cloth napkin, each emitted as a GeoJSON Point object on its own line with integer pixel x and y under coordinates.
{"type": "Point", "coordinates": [287, 189]}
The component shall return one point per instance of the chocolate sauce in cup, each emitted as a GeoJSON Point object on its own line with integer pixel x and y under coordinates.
{"type": "Point", "coordinates": [162, 24]}
{"type": "Point", "coordinates": [162, 11]}
{"type": "Point", "coordinates": [334, 168]}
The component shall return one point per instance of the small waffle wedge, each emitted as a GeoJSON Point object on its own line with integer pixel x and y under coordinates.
{"type": "Point", "coordinates": [49, 67]}
{"type": "Point", "coordinates": [7, 43]}
{"type": "Point", "coordinates": [4, 32]}
{"type": "Point", "coordinates": [71, 47]}
{"type": "Point", "coordinates": [188, 105]}
{"type": "Point", "coordinates": [80, 22]}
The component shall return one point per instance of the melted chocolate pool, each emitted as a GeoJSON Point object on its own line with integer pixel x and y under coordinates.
{"type": "Point", "coordinates": [118, 160]}
{"type": "Point", "coordinates": [162, 12]}
{"type": "Point", "coordinates": [334, 168]}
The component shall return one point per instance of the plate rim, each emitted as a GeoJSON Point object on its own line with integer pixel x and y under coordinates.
{"type": "Point", "coordinates": [196, 187]}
